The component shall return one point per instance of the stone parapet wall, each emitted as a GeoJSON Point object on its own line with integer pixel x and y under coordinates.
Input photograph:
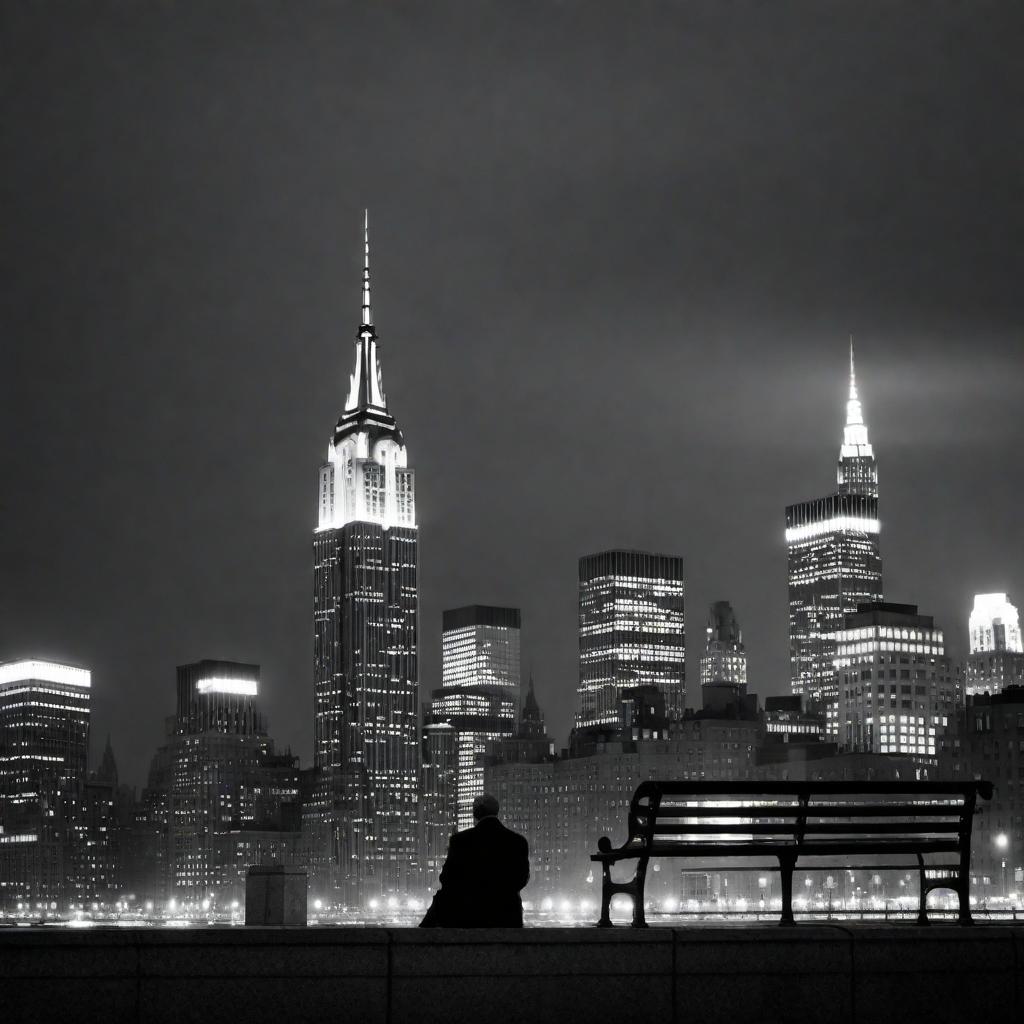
{"type": "Point", "coordinates": [840, 974]}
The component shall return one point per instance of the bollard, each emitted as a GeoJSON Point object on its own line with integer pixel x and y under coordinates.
{"type": "Point", "coordinates": [275, 895]}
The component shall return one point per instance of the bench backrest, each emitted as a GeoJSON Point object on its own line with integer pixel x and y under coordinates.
{"type": "Point", "coordinates": [932, 813]}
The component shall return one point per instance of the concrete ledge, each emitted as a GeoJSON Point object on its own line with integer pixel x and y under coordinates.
{"type": "Point", "coordinates": [846, 974]}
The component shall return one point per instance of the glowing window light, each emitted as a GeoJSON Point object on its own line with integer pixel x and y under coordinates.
{"type": "Point", "coordinates": [216, 684]}
{"type": "Point", "coordinates": [46, 672]}
{"type": "Point", "coordinates": [808, 531]}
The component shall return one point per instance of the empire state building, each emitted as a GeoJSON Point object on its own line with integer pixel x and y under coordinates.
{"type": "Point", "coordinates": [365, 598]}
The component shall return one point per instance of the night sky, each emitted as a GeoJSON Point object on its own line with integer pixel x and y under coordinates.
{"type": "Point", "coordinates": [617, 253]}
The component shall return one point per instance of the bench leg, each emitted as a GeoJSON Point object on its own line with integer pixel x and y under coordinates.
{"type": "Point", "coordinates": [639, 920]}
{"type": "Point", "coordinates": [922, 910]}
{"type": "Point", "coordinates": [963, 893]}
{"type": "Point", "coordinates": [787, 864]}
{"type": "Point", "coordinates": [606, 898]}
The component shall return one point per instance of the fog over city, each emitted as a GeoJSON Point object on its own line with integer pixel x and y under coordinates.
{"type": "Point", "coordinates": [618, 252]}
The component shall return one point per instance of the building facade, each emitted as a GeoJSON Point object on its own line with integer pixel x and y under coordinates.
{"type": "Point", "coordinates": [217, 786]}
{"type": "Point", "coordinates": [725, 656]}
{"type": "Point", "coordinates": [479, 694]}
{"type": "Point", "coordinates": [631, 633]}
{"type": "Point", "coordinates": [563, 806]}
{"type": "Point", "coordinates": [44, 745]}
{"type": "Point", "coordinates": [996, 658]}
{"type": "Point", "coordinates": [787, 721]}
{"type": "Point", "coordinates": [363, 818]}
{"type": "Point", "coordinates": [990, 745]}
{"type": "Point", "coordinates": [898, 693]}
{"type": "Point", "coordinates": [438, 804]}
{"type": "Point", "coordinates": [834, 562]}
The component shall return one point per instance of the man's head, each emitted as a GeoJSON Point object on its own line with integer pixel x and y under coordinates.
{"type": "Point", "coordinates": [485, 806]}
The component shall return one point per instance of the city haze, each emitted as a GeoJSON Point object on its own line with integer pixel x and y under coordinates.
{"type": "Point", "coordinates": [617, 254]}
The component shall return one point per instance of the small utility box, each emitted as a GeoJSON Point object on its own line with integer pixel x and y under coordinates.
{"type": "Point", "coordinates": [275, 895]}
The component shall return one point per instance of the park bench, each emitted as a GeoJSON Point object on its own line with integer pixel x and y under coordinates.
{"type": "Point", "coordinates": [791, 821]}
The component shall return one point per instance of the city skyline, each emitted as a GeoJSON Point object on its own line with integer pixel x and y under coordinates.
{"type": "Point", "coordinates": [589, 355]}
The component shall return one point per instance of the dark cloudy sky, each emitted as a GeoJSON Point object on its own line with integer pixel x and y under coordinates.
{"type": "Point", "coordinates": [618, 249]}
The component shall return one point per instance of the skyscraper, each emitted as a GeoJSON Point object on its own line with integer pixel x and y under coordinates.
{"type": "Point", "coordinates": [834, 562]}
{"type": "Point", "coordinates": [438, 809]}
{"type": "Point", "coordinates": [996, 658]}
{"type": "Point", "coordinates": [44, 746]}
{"type": "Point", "coordinates": [631, 633]}
{"type": "Point", "coordinates": [216, 777]}
{"type": "Point", "coordinates": [366, 745]}
{"type": "Point", "coordinates": [897, 691]}
{"type": "Point", "coordinates": [479, 694]}
{"type": "Point", "coordinates": [725, 656]}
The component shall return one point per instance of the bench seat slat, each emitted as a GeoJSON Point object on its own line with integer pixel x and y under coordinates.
{"type": "Point", "coordinates": [706, 811]}
{"type": "Point", "coordinates": [812, 829]}
{"type": "Point", "coordinates": [755, 847]}
{"type": "Point", "coordinates": [880, 827]}
{"type": "Point", "coordinates": [732, 828]}
{"type": "Point", "coordinates": [767, 790]}
{"type": "Point", "coordinates": [669, 811]}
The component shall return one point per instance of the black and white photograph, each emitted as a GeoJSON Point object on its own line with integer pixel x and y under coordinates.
{"type": "Point", "coordinates": [511, 511]}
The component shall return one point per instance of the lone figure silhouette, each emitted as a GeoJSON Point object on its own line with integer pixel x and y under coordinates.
{"type": "Point", "coordinates": [486, 867]}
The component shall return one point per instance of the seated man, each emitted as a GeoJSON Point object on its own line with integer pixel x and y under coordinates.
{"type": "Point", "coordinates": [485, 868]}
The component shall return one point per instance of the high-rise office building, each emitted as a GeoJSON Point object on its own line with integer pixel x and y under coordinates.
{"type": "Point", "coordinates": [479, 694]}
{"type": "Point", "coordinates": [631, 634]}
{"type": "Point", "coordinates": [987, 745]}
{"type": "Point", "coordinates": [897, 690]}
{"type": "Point", "coordinates": [996, 658]}
{"type": "Point", "coordinates": [216, 777]}
{"type": "Point", "coordinates": [834, 562]}
{"type": "Point", "coordinates": [44, 746]}
{"type": "Point", "coordinates": [438, 806]}
{"type": "Point", "coordinates": [725, 657]}
{"type": "Point", "coordinates": [366, 681]}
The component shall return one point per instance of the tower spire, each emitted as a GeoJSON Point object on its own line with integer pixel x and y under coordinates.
{"type": "Point", "coordinates": [857, 472]}
{"type": "Point", "coordinates": [854, 413]}
{"type": "Point", "coordinates": [367, 320]}
{"type": "Point", "coordinates": [366, 389]}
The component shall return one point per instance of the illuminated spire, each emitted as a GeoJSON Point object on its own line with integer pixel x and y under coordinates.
{"type": "Point", "coordinates": [858, 473]}
{"type": "Point", "coordinates": [366, 389]}
{"type": "Point", "coordinates": [854, 413]}
{"type": "Point", "coordinates": [366, 477]}
{"type": "Point", "coordinates": [367, 322]}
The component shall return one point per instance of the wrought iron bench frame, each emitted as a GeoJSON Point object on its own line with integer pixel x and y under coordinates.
{"type": "Point", "coordinates": [932, 818]}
